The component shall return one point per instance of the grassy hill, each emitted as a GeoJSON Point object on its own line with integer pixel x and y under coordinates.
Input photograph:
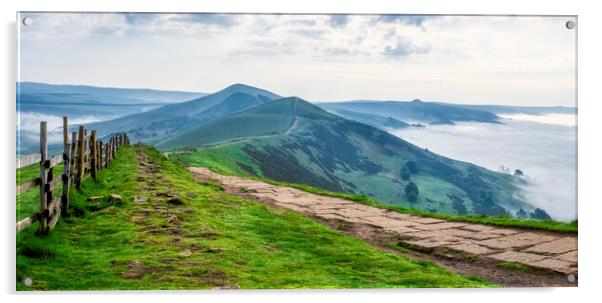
{"type": "Point", "coordinates": [156, 125]}
{"type": "Point", "coordinates": [326, 151]}
{"type": "Point", "coordinates": [210, 239]}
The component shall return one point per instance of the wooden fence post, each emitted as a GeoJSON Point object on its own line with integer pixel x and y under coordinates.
{"type": "Point", "coordinates": [100, 155]}
{"type": "Point", "coordinates": [80, 157]}
{"type": "Point", "coordinates": [73, 156]}
{"type": "Point", "coordinates": [67, 167]}
{"type": "Point", "coordinates": [93, 158]}
{"type": "Point", "coordinates": [43, 202]}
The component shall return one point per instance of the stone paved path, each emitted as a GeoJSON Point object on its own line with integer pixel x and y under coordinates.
{"type": "Point", "coordinates": [538, 249]}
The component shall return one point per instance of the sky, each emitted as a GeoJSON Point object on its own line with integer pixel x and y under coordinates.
{"type": "Point", "coordinates": [507, 60]}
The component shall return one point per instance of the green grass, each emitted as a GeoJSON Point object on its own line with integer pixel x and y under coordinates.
{"type": "Point", "coordinates": [515, 266]}
{"type": "Point", "coordinates": [28, 202]}
{"type": "Point", "coordinates": [505, 221]}
{"type": "Point", "coordinates": [233, 242]}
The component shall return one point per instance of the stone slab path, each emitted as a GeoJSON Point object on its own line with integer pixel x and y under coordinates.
{"type": "Point", "coordinates": [538, 249]}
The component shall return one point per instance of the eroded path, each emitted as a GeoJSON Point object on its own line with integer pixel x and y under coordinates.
{"type": "Point", "coordinates": [463, 247]}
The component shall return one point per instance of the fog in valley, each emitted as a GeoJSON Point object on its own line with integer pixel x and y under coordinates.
{"type": "Point", "coordinates": [543, 147]}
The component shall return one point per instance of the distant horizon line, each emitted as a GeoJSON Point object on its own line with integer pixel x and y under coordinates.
{"type": "Point", "coordinates": [312, 101]}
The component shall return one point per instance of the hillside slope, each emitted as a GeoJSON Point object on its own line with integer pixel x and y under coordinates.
{"type": "Point", "coordinates": [174, 233]}
{"type": "Point", "coordinates": [157, 124]}
{"type": "Point", "coordinates": [320, 149]}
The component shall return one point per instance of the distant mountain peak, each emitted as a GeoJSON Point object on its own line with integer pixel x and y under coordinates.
{"type": "Point", "coordinates": [239, 86]}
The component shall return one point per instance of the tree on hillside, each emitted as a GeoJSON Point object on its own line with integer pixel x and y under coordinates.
{"type": "Point", "coordinates": [521, 213]}
{"type": "Point", "coordinates": [405, 173]}
{"type": "Point", "coordinates": [540, 214]}
{"type": "Point", "coordinates": [412, 166]}
{"type": "Point", "coordinates": [412, 191]}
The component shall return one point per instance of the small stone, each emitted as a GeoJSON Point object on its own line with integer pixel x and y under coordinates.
{"type": "Point", "coordinates": [115, 198]}
{"type": "Point", "coordinates": [95, 198]}
{"type": "Point", "coordinates": [185, 253]}
{"type": "Point", "coordinates": [175, 201]}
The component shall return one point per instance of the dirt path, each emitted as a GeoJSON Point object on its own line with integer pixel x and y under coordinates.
{"type": "Point", "coordinates": [158, 214]}
{"type": "Point", "coordinates": [465, 248]}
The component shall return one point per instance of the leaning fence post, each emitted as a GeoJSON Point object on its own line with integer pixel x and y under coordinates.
{"type": "Point", "coordinates": [43, 202]}
{"type": "Point", "coordinates": [80, 157]}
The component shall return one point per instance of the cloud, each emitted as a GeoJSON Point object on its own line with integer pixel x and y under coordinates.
{"type": "Point", "coordinates": [414, 20]}
{"type": "Point", "coordinates": [313, 33]}
{"type": "Point", "coordinates": [338, 21]}
{"type": "Point", "coordinates": [544, 152]}
{"type": "Point", "coordinates": [308, 22]}
{"type": "Point", "coordinates": [73, 25]}
{"type": "Point", "coordinates": [471, 59]}
{"type": "Point", "coordinates": [403, 48]}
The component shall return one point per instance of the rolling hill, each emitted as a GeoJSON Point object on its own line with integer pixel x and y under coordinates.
{"type": "Point", "coordinates": [156, 125]}
{"type": "Point", "coordinates": [415, 111]}
{"type": "Point", "coordinates": [292, 140]}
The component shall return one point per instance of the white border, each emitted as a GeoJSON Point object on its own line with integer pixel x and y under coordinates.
{"type": "Point", "coordinates": [589, 143]}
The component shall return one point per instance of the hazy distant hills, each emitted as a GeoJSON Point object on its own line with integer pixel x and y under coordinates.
{"type": "Point", "coordinates": [83, 100]}
{"type": "Point", "coordinates": [293, 140]}
{"type": "Point", "coordinates": [529, 110]}
{"type": "Point", "coordinates": [427, 112]}
{"type": "Point", "coordinates": [374, 120]}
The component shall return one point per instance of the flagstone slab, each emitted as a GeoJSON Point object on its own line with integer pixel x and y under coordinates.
{"type": "Point", "coordinates": [515, 256]}
{"type": "Point", "coordinates": [559, 246]}
{"type": "Point", "coordinates": [555, 265]}
{"type": "Point", "coordinates": [568, 257]}
{"type": "Point", "coordinates": [471, 248]}
{"type": "Point", "coordinates": [477, 227]}
{"type": "Point", "coordinates": [517, 240]}
{"type": "Point", "coordinates": [438, 226]}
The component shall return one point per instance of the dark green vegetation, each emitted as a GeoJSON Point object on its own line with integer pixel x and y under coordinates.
{"type": "Point", "coordinates": [229, 241]}
{"type": "Point", "coordinates": [515, 266]}
{"type": "Point", "coordinates": [292, 140]}
{"type": "Point", "coordinates": [156, 125]}
{"type": "Point", "coordinates": [428, 112]}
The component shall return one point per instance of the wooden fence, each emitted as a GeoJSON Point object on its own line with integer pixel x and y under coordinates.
{"type": "Point", "coordinates": [84, 156]}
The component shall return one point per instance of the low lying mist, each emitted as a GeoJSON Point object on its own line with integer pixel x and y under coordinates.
{"type": "Point", "coordinates": [28, 129]}
{"type": "Point", "coordinates": [544, 152]}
